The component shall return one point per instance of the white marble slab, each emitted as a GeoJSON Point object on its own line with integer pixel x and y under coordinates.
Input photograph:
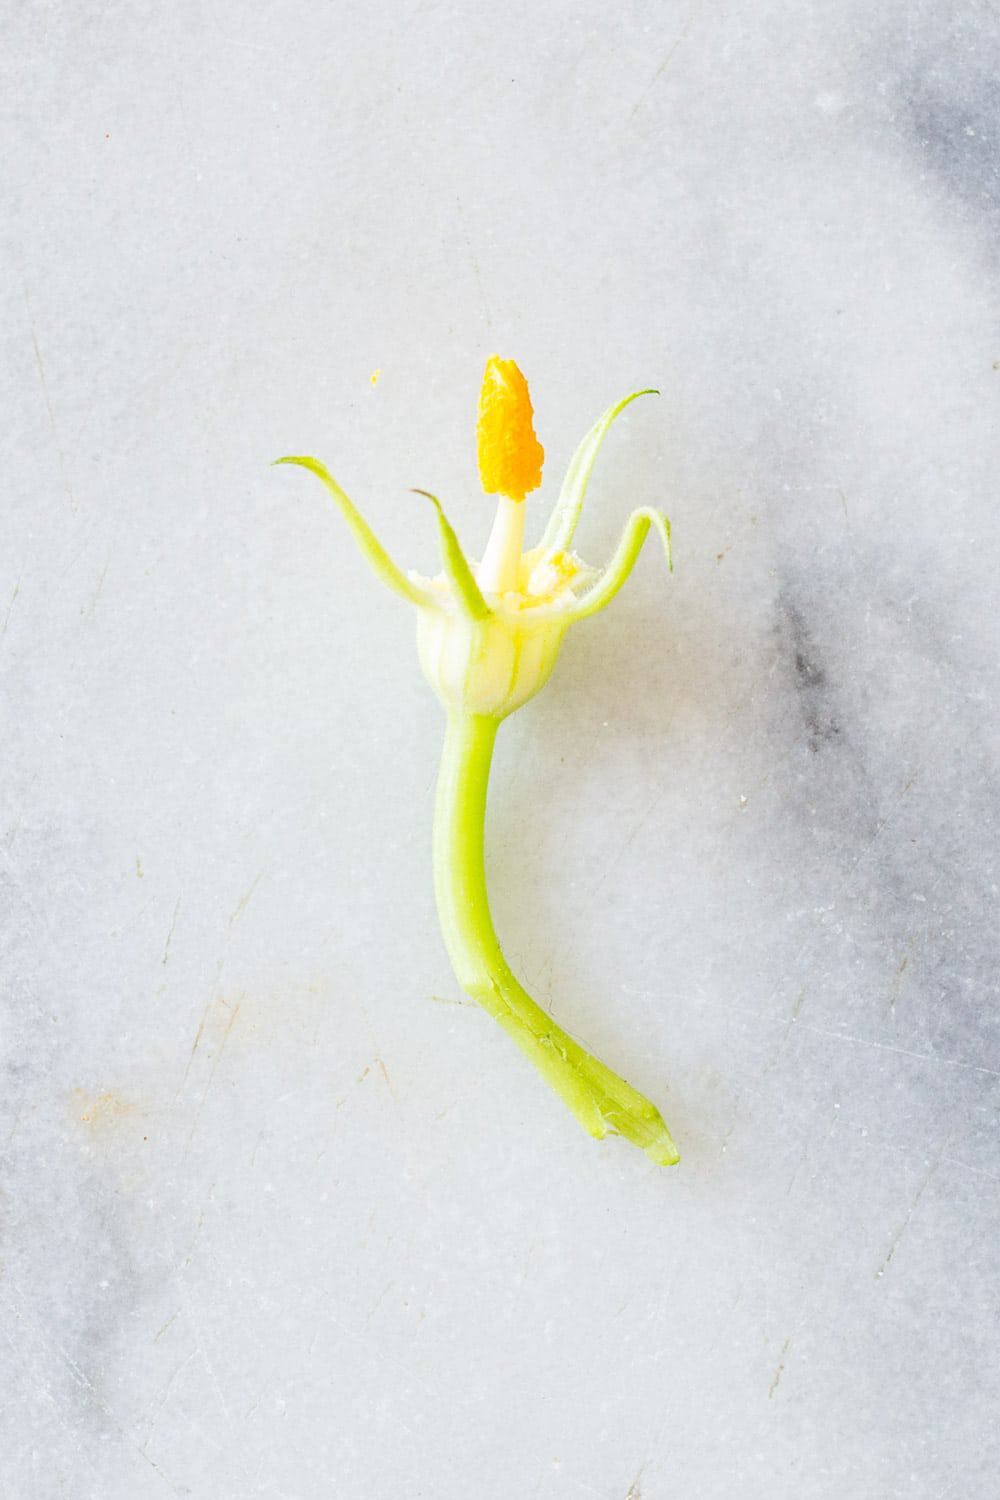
{"type": "Point", "coordinates": [275, 1223]}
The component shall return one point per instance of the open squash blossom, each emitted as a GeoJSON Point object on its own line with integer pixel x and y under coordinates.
{"type": "Point", "coordinates": [488, 636]}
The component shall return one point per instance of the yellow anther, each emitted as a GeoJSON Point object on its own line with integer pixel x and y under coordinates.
{"type": "Point", "coordinates": [510, 456]}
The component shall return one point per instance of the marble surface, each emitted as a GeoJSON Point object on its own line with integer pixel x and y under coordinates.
{"type": "Point", "coordinates": [275, 1222]}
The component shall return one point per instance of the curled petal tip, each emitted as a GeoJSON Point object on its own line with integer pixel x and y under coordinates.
{"type": "Point", "coordinates": [363, 535]}
{"type": "Point", "coordinates": [466, 590]}
{"type": "Point", "coordinates": [566, 514]}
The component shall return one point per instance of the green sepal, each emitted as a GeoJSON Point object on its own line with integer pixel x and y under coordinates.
{"type": "Point", "coordinates": [566, 512]}
{"type": "Point", "coordinates": [637, 529]}
{"type": "Point", "coordinates": [366, 539]}
{"type": "Point", "coordinates": [466, 589]}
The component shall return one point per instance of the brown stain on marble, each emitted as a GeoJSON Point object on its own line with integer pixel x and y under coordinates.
{"type": "Point", "coordinates": [100, 1111]}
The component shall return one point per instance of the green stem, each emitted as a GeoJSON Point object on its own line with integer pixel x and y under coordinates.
{"type": "Point", "coordinates": [597, 1097]}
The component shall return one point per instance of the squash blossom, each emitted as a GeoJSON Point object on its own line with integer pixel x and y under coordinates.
{"type": "Point", "coordinates": [488, 635]}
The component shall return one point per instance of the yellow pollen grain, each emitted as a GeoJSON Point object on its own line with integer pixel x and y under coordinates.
{"type": "Point", "coordinates": [373, 377]}
{"type": "Point", "coordinates": [510, 456]}
{"type": "Point", "coordinates": [564, 566]}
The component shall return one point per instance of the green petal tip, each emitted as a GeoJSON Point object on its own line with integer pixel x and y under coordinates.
{"type": "Point", "coordinates": [467, 591]}
{"type": "Point", "coordinates": [566, 512]}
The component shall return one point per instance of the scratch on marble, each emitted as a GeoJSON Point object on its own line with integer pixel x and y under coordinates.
{"type": "Point", "coordinates": [780, 1370]}
{"type": "Point", "coordinates": [48, 401]}
{"type": "Point", "coordinates": [378, 1302]}
{"type": "Point", "coordinates": [834, 1121]}
{"type": "Point", "coordinates": [170, 934]}
{"type": "Point", "coordinates": [880, 828]}
{"type": "Point", "coordinates": [609, 868]}
{"type": "Point", "coordinates": [724, 1143]}
{"type": "Point", "coordinates": [43, 1389]}
{"type": "Point", "coordinates": [909, 1215]}
{"type": "Point", "coordinates": [81, 1379]}
{"type": "Point", "coordinates": [255, 1404]}
{"type": "Point", "coordinates": [173, 1317]}
{"type": "Point", "coordinates": [197, 1040]}
{"type": "Point", "coordinates": [634, 1491]}
{"type": "Point", "coordinates": [897, 983]}
{"type": "Point", "coordinates": [378, 1355]}
{"type": "Point", "coordinates": [211, 1075]}
{"type": "Point", "coordinates": [100, 584]}
{"type": "Point", "coordinates": [187, 1258]}
{"type": "Point", "coordinates": [244, 900]}
{"type": "Point", "coordinates": [10, 606]}
{"type": "Point", "coordinates": [863, 1041]}
{"type": "Point", "coordinates": [953, 1161]}
{"type": "Point", "coordinates": [796, 1170]}
{"type": "Point", "coordinates": [668, 59]}
{"type": "Point", "coordinates": [154, 1416]}
{"type": "Point", "coordinates": [385, 1074]}
{"type": "Point", "coordinates": [207, 1363]}
{"type": "Point", "coordinates": [786, 1033]}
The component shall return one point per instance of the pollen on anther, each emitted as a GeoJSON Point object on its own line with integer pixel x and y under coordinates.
{"type": "Point", "coordinates": [510, 455]}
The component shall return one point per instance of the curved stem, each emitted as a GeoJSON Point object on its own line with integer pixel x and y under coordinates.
{"type": "Point", "coordinates": [597, 1097]}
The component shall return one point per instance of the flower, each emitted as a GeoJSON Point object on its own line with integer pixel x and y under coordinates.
{"type": "Point", "coordinates": [488, 637]}
{"type": "Point", "coordinates": [489, 634]}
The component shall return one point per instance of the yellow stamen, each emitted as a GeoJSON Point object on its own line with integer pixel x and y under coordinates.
{"type": "Point", "coordinates": [510, 456]}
